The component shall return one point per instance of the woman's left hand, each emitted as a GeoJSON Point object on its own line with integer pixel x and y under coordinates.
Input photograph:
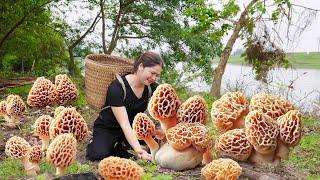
{"type": "Point", "coordinates": [142, 154]}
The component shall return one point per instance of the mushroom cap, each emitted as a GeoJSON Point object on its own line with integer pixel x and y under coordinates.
{"type": "Point", "coordinates": [3, 108]}
{"type": "Point", "coordinates": [35, 154]}
{"type": "Point", "coordinates": [15, 106]}
{"type": "Point", "coordinates": [221, 169]}
{"type": "Point", "coordinates": [290, 126]}
{"type": "Point", "coordinates": [194, 109]}
{"type": "Point", "coordinates": [119, 168]}
{"type": "Point", "coordinates": [143, 126]}
{"type": "Point", "coordinates": [261, 131]}
{"type": "Point", "coordinates": [9, 97]}
{"type": "Point", "coordinates": [62, 150]}
{"type": "Point", "coordinates": [17, 147]}
{"type": "Point", "coordinates": [179, 137]}
{"type": "Point", "coordinates": [69, 121]}
{"type": "Point", "coordinates": [164, 103]}
{"type": "Point", "coordinates": [200, 138]}
{"type": "Point", "coordinates": [66, 91]}
{"type": "Point", "coordinates": [41, 126]}
{"type": "Point", "coordinates": [271, 105]}
{"type": "Point", "coordinates": [58, 110]}
{"type": "Point", "coordinates": [234, 143]}
{"type": "Point", "coordinates": [227, 110]}
{"type": "Point", "coordinates": [42, 93]}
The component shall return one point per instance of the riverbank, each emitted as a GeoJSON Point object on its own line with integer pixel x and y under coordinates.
{"type": "Point", "coordinates": [297, 60]}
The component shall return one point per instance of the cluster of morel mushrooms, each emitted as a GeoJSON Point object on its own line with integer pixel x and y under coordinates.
{"type": "Point", "coordinates": [65, 129]}
{"type": "Point", "coordinates": [260, 132]}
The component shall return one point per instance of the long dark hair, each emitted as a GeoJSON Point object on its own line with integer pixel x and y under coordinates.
{"type": "Point", "coordinates": [148, 59]}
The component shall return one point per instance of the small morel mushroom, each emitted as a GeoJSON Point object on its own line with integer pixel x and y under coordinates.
{"type": "Point", "coordinates": [15, 109]}
{"type": "Point", "coordinates": [262, 132]}
{"type": "Point", "coordinates": [35, 156]}
{"type": "Point", "coordinates": [58, 110]}
{"type": "Point", "coordinates": [41, 129]}
{"type": "Point", "coordinates": [194, 109]}
{"type": "Point", "coordinates": [144, 130]}
{"type": "Point", "coordinates": [69, 121]}
{"type": "Point", "coordinates": [234, 144]}
{"type": "Point", "coordinates": [18, 148]}
{"type": "Point", "coordinates": [221, 169]}
{"type": "Point", "coordinates": [42, 93]}
{"type": "Point", "coordinates": [163, 106]}
{"type": "Point", "coordinates": [119, 168]}
{"type": "Point", "coordinates": [229, 111]}
{"type": "Point", "coordinates": [62, 152]}
{"type": "Point", "coordinates": [290, 126]}
{"type": "Point", "coordinates": [3, 111]}
{"type": "Point", "coordinates": [66, 91]}
{"type": "Point", "coordinates": [179, 137]}
{"type": "Point", "coordinates": [271, 105]}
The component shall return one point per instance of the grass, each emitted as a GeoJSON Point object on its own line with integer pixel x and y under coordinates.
{"type": "Point", "coordinates": [297, 60]}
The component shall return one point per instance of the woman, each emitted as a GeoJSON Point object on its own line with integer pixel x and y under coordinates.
{"type": "Point", "coordinates": [112, 131]}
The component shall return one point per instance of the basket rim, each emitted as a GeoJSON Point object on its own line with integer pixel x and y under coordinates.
{"type": "Point", "coordinates": [123, 59]}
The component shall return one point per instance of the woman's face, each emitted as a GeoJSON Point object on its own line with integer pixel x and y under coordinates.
{"type": "Point", "coordinates": [149, 75]}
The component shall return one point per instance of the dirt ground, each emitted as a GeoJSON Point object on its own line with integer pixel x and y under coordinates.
{"type": "Point", "coordinates": [25, 130]}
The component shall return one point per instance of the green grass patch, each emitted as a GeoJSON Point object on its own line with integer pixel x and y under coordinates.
{"type": "Point", "coordinates": [22, 91]}
{"type": "Point", "coordinates": [11, 169]}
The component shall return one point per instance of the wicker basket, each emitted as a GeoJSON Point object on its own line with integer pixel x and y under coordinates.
{"type": "Point", "coordinates": [100, 71]}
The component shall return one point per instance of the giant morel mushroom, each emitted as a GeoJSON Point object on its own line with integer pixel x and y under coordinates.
{"type": "Point", "coordinates": [69, 121]}
{"type": "Point", "coordinates": [221, 169]}
{"type": "Point", "coordinates": [119, 168]}
{"type": "Point", "coordinates": [42, 93]}
{"type": "Point", "coordinates": [163, 106]}
{"type": "Point", "coordinates": [66, 91]}
{"type": "Point", "coordinates": [234, 144]}
{"type": "Point", "coordinates": [193, 110]}
{"type": "Point", "coordinates": [62, 152]}
{"type": "Point", "coordinates": [41, 129]}
{"type": "Point", "coordinates": [144, 129]}
{"type": "Point", "coordinates": [15, 108]}
{"type": "Point", "coordinates": [228, 112]}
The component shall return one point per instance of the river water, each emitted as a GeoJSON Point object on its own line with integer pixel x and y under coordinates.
{"type": "Point", "coordinates": [300, 86]}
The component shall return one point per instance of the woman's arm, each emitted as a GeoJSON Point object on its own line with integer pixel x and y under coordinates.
{"type": "Point", "coordinates": [121, 115]}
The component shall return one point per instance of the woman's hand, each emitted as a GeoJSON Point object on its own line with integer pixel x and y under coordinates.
{"type": "Point", "coordinates": [142, 154]}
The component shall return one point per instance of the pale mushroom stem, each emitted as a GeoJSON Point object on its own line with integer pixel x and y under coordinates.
{"type": "Point", "coordinates": [29, 167]}
{"type": "Point", "coordinates": [6, 118]}
{"type": "Point", "coordinates": [45, 143]}
{"type": "Point", "coordinates": [153, 145]}
{"type": "Point", "coordinates": [160, 134]}
{"type": "Point", "coordinates": [13, 121]}
{"type": "Point", "coordinates": [207, 157]}
{"type": "Point", "coordinates": [282, 151]}
{"type": "Point", "coordinates": [61, 171]}
{"type": "Point", "coordinates": [168, 123]}
{"type": "Point", "coordinates": [259, 158]}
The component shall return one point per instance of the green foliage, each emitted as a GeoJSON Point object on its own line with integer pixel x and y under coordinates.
{"type": "Point", "coordinates": [77, 168]}
{"type": "Point", "coordinates": [11, 169]}
{"type": "Point", "coordinates": [22, 91]}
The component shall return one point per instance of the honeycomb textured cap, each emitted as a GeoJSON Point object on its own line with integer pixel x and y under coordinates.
{"type": "Point", "coordinates": [3, 108]}
{"type": "Point", "coordinates": [35, 154]}
{"type": "Point", "coordinates": [194, 109]}
{"type": "Point", "coordinates": [290, 125]}
{"type": "Point", "coordinates": [200, 138]}
{"type": "Point", "coordinates": [234, 144]}
{"type": "Point", "coordinates": [17, 147]}
{"type": "Point", "coordinates": [42, 93]}
{"type": "Point", "coordinates": [261, 131]}
{"type": "Point", "coordinates": [143, 126]}
{"type": "Point", "coordinates": [164, 103]}
{"type": "Point", "coordinates": [66, 91]}
{"type": "Point", "coordinates": [179, 137]}
{"type": "Point", "coordinates": [58, 110]}
{"type": "Point", "coordinates": [16, 106]}
{"type": "Point", "coordinates": [69, 121]}
{"type": "Point", "coordinates": [62, 150]}
{"type": "Point", "coordinates": [221, 169]}
{"type": "Point", "coordinates": [271, 105]}
{"type": "Point", "coordinates": [119, 168]}
{"type": "Point", "coordinates": [41, 125]}
{"type": "Point", "coordinates": [229, 109]}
